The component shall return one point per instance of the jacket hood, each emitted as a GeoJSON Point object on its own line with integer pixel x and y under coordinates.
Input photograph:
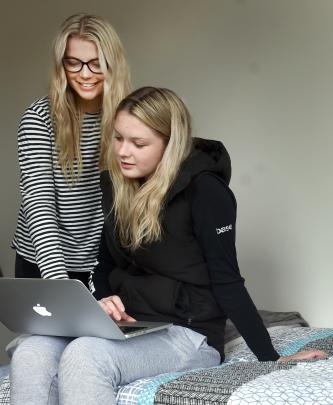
{"type": "Point", "coordinates": [212, 156]}
{"type": "Point", "coordinates": [206, 156]}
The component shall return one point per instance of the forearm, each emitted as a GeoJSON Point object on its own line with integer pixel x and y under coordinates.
{"type": "Point", "coordinates": [38, 195]}
{"type": "Point", "coordinates": [237, 304]}
{"type": "Point", "coordinates": [102, 270]}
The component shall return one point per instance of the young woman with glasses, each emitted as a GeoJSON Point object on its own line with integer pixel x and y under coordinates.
{"type": "Point", "coordinates": [62, 146]}
{"type": "Point", "coordinates": [167, 254]}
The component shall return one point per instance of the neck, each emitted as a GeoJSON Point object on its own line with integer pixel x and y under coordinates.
{"type": "Point", "coordinates": [91, 106]}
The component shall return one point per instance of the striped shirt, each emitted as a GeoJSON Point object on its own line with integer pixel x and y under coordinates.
{"type": "Point", "coordinates": [59, 224]}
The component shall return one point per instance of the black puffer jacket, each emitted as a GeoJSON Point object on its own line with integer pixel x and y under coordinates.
{"type": "Point", "coordinates": [191, 276]}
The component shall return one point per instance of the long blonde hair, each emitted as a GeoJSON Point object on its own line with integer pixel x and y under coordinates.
{"type": "Point", "coordinates": [138, 206]}
{"type": "Point", "coordinates": [66, 114]}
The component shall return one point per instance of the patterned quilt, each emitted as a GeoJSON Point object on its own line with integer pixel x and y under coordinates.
{"type": "Point", "coordinates": [241, 379]}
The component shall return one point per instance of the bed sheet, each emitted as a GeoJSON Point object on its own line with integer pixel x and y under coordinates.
{"type": "Point", "coordinates": [240, 377]}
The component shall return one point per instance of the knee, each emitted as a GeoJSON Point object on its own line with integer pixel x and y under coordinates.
{"type": "Point", "coordinates": [31, 350]}
{"type": "Point", "coordinates": [86, 356]}
{"type": "Point", "coordinates": [84, 351]}
{"type": "Point", "coordinates": [35, 353]}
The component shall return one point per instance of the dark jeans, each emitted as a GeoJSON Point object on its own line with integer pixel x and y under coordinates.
{"type": "Point", "coordinates": [25, 269]}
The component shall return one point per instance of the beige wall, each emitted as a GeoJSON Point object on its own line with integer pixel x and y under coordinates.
{"type": "Point", "coordinates": [256, 74]}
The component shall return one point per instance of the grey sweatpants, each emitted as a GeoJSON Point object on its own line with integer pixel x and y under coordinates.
{"type": "Point", "coordinates": [53, 370]}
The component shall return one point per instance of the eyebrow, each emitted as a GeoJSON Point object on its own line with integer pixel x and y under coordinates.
{"type": "Point", "coordinates": [133, 138]}
{"type": "Point", "coordinates": [74, 57]}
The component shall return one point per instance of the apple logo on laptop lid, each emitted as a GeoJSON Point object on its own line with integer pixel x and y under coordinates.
{"type": "Point", "coordinates": [41, 310]}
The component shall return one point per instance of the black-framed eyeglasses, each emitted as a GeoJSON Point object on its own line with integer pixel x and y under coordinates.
{"type": "Point", "coordinates": [75, 65]}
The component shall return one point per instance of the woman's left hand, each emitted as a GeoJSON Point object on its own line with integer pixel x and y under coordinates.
{"type": "Point", "coordinates": [312, 354]}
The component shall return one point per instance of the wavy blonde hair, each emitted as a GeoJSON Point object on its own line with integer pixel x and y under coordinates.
{"type": "Point", "coordinates": [138, 206]}
{"type": "Point", "coordinates": [65, 109]}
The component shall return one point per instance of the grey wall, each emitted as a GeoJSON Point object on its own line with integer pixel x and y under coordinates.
{"type": "Point", "coordinates": [256, 74]}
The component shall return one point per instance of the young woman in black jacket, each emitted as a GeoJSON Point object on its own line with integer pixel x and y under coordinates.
{"type": "Point", "coordinates": [167, 254]}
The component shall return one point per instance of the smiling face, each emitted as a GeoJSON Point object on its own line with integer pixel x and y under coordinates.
{"type": "Point", "coordinates": [137, 147]}
{"type": "Point", "coordinates": [87, 85]}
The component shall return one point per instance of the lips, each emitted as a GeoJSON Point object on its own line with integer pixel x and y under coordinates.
{"type": "Point", "coordinates": [87, 86]}
{"type": "Point", "coordinates": [126, 165]}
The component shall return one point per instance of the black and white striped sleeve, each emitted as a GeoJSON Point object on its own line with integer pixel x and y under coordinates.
{"type": "Point", "coordinates": [38, 192]}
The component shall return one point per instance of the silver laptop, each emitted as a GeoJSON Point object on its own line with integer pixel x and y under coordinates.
{"type": "Point", "coordinates": [61, 308]}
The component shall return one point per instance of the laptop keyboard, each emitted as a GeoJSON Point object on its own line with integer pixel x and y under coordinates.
{"type": "Point", "coordinates": [129, 329]}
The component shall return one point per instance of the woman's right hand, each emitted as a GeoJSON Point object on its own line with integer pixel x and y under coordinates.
{"type": "Point", "coordinates": [114, 307]}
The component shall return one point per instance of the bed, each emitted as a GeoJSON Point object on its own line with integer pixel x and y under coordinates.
{"type": "Point", "coordinates": [241, 379]}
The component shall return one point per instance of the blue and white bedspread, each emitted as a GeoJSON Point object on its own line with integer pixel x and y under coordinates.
{"type": "Point", "coordinates": [241, 379]}
{"type": "Point", "coordinates": [305, 383]}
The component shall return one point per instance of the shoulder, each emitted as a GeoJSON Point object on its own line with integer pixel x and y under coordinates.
{"type": "Point", "coordinates": [38, 110]}
{"type": "Point", "coordinates": [210, 187]}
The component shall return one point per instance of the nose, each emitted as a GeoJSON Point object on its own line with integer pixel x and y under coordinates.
{"type": "Point", "coordinates": [85, 73]}
{"type": "Point", "coordinates": [124, 149]}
